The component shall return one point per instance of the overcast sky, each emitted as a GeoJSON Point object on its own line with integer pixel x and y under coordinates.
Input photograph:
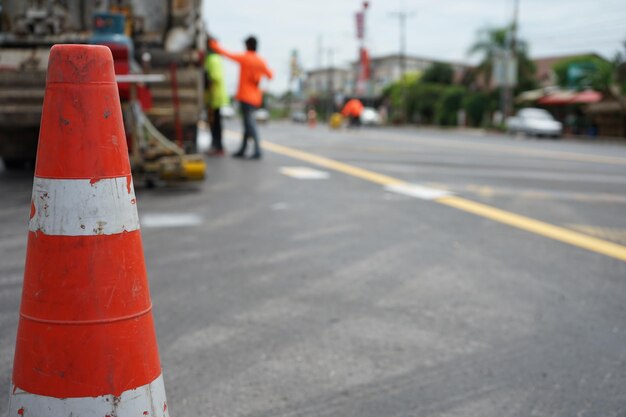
{"type": "Point", "coordinates": [440, 29]}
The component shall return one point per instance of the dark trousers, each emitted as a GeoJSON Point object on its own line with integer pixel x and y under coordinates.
{"type": "Point", "coordinates": [215, 122]}
{"type": "Point", "coordinates": [249, 129]}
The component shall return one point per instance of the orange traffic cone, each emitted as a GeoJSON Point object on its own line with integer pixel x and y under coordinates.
{"type": "Point", "coordinates": [86, 344]}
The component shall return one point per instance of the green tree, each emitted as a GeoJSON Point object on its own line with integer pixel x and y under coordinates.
{"type": "Point", "coordinates": [440, 73]}
{"type": "Point", "coordinates": [585, 71]}
{"type": "Point", "coordinates": [490, 43]}
{"type": "Point", "coordinates": [422, 102]}
{"type": "Point", "coordinates": [398, 95]}
{"type": "Point", "coordinates": [449, 104]}
{"type": "Point", "coordinates": [478, 105]}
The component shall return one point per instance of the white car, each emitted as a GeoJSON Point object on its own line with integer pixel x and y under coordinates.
{"type": "Point", "coordinates": [298, 117]}
{"type": "Point", "coordinates": [370, 117]}
{"type": "Point", "coordinates": [534, 122]}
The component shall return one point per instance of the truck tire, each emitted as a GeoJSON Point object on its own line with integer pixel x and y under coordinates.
{"type": "Point", "coordinates": [14, 164]}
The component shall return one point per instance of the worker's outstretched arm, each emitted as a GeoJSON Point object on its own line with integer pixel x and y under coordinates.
{"type": "Point", "coordinates": [230, 55]}
{"type": "Point", "coordinates": [268, 72]}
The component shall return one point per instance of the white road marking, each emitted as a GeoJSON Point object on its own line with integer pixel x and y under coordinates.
{"type": "Point", "coordinates": [280, 206]}
{"type": "Point", "coordinates": [417, 191]}
{"type": "Point", "coordinates": [161, 220]}
{"type": "Point", "coordinates": [616, 234]}
{"type": "Point", "coordinates": [304, 173]}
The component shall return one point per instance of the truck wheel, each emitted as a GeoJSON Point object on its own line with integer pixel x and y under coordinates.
{"type": "Point", "coordinates": [14, 164]}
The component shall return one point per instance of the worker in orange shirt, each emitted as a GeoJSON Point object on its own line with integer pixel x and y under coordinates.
{"type": "Point", "coordinates": [353, 109]}
{"type": "Point", "coordinates": [251, 70]}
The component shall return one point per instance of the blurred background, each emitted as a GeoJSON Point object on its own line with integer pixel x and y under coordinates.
{"type": "Point", "coordinates": [436, 226]}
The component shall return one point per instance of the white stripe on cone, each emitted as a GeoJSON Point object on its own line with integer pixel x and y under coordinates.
{"type": "Point", "coordinates": [82, 207]}
{"type": "Point", "coordinates": [148, 400]}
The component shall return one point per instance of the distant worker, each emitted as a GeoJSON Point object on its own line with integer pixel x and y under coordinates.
{"type": "Point", "coordinates": [352, 110]}
{"type": "Point", "coordinates": [215, 98]}
{"type": "Point", "coordinates": [311, 117]}
{"type": "Point", "coordinates": [251, 69]}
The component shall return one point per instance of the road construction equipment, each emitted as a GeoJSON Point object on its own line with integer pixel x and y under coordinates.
{"type": "Point", "coordinates": [154, 158]}
{"type": "Point", "coordinates": [336, 121]}
{"type": "Point", "coordinates": [148, 36]}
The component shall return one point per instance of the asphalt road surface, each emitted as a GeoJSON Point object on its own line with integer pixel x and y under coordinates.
{"type": "Point", "coordinates": [380, 273]}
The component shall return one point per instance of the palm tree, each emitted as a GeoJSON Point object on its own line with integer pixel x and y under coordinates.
{"type": "Point", "coordinates": [490, 43]}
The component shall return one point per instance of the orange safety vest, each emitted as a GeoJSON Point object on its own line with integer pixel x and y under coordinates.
{"type": "Point", "coordinates": [352, 108]}
{"type": "Point", "coordinates": [252, 69]}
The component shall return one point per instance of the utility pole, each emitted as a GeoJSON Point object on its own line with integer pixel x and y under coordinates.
{"type": "Point", "coordinates": [402, 16]}
{"type": "Point", "coordinates": [331, 75]}
{"type": "Point", "coordinates": [510, 59]}
{"type": "Point", "coordinates": [330, 54]}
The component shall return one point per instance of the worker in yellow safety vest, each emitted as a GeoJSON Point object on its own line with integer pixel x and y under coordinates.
{"type": "Point", "coordinates": [215, 97]}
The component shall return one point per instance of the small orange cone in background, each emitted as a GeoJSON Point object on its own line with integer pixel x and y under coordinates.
{"type": "Point", "coordinates": [86, 344]}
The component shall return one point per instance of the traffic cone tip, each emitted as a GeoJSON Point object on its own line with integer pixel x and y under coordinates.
{"type": "Point", "coordinates": [82, 130]}
{"type": "Point", "coordinates": [80, 64]}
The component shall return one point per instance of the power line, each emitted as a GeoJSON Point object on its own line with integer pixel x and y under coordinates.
{"type": "Point", "coordinates": [586, 24]}
{"type": "Point", "coordinates": [586, 40]}
{"type": "Point", "coordinates": [573, 50]}
{"type": "Point", "coordinates": [592, 9]}
{"type": "Point", "coordinates": [402, 16]}
{"type": "Point", "coordinates": [582, 32]}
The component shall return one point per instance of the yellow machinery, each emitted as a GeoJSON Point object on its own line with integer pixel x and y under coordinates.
{"type": "Point", "coordinates": [153, 157]}
{"type": "Point", "coordinates": [336, 120]}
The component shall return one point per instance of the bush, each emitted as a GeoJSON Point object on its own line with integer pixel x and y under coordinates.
{"type": "Point", "coordinates": [398, 93]}
{"type": "Point", "coordinates": [475, 106]}
{"type": "Point", "coordinates": [422, 102]}
{"type": "Point", "coordinates": [439, 73]}
{"type": "Point", "coordinates": [449, 104]}
{"type": "Point", "coordinates": [414, 101]}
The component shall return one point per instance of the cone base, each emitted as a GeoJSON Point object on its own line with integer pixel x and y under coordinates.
{"type": "Point", "coordinates": [148, 400]}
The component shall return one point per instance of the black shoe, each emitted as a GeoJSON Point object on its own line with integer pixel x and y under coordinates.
{"type": "Point", "coordinates": [238, 155]}
{"type": "Point", "coordinates": [256, 156]}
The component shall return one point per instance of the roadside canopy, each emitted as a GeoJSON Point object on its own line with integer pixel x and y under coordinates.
{"type": "Point", "coordinates": [561, 98]}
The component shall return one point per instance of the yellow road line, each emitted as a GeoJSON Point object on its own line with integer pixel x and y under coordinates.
{"type": "Point", "coordinates": [538, 227]}
{"type": "Point", "coordinates": [528, 224]}
{"type": "Point", "coordinates": [532, 194]}
{"type": "Point", "coordinates": [332, 164]}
